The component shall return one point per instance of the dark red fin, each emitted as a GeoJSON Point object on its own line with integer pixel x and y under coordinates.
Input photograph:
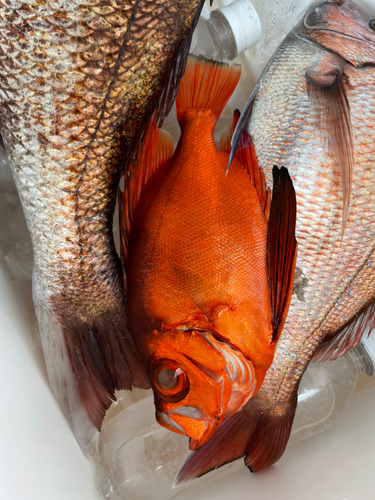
{"type": "Point", "coordinates": [206, 85]}
{"type": "Point", "coordinates": [347, 337]}
{"type": "Point", "coordinates": [281, 246]}
{"type": "Point", "coordinates": [154, 150]}
{"type": "Point", "coordinates": [326, 89]}
{"type": "Point", "coordinates": [177, 69]}
{"type": "Point", "coordinates": [258, 435]}
{"type": "Point", "coordinates": [246, 155]}
{"type": "Point", "coordinates": [89, 354]}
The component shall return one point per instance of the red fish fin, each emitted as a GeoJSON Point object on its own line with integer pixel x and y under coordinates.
{"type": "Point", "coordinates": [347, 337]}
{"type": "Point", "coordinates": [281, 246]}
{"type": "Point", "coordinates": [87, 359]}
{"type": "Point", "coordinates": [176, 70]}
{"type": "Point", "coordinates": [245, 154]}
{"type": "Point", "coordinates": [154, 150]}
{"type": "Point", "coordinates": [206, 85]}
{"type": "Point", "coordinates": [326, 89]}
{"type": "Point", "coordinates": [253, 433]}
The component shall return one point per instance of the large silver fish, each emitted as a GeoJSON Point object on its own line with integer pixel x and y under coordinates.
{"type": "Point", "coordinates": [313, 111]}
{"type": "Point", "coordinates": [79, 81]}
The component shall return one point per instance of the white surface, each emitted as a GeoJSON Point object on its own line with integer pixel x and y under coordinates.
{"type": "Point", "coordinates": [39, 457]}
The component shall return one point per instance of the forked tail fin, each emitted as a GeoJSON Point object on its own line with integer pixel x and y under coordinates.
{"type": "Point", "coordinates": [206, 85]}
{"type": "Point", "coordinates": [258, 432]}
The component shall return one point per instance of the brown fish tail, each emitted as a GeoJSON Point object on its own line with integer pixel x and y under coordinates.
{"type": "Point", "coordinates": [256, 433]}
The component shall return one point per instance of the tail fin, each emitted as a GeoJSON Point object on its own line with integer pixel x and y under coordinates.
{"type": "Point", "coordinates": [258, 434]}
{"type": "Point", "coordinates": [206, 85]}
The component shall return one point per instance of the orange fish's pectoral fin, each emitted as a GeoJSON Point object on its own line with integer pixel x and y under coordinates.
{"type": "Point", "coordinates": [206, 85]}
{"type": "Point", "coordinates": [246, 155]}
{"type": "Point", "coordinates": [154, 150]}
{"type": "Point", "coordinates": [281, 247]}
{"type": "Point", "coordinates": [327, 93]}
{"type": "Point", "coordinates": [348, 336]}
{"type": "Point", "coordinates": [255, 433]}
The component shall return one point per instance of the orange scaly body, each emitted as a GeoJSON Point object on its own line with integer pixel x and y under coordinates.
{"type": "Point", "coordinates": [195, 255]}
{"type": "Point", "coordinates": [200, 246]}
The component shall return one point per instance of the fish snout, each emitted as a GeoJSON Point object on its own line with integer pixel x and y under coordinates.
{"type": "Point", "coordinates": [192, 422]}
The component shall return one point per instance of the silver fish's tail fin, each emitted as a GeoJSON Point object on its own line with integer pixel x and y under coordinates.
{"type": "Point", "coordinates": [206, 85]}
{"type": "Point", "coordinates": [257, 433]}
{"type": "Point", "coordinates": [87, 359]}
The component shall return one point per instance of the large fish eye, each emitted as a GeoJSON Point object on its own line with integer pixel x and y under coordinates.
{"type": "Point", "coordinates": [169, 380]}
{"type": "Point", "coordinates": [372, 24]}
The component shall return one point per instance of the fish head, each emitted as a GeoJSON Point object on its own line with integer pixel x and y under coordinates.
{"type": "Point", "coordinates": [341, 26]}
{"type": "Point", "coordinates": [197, 382]}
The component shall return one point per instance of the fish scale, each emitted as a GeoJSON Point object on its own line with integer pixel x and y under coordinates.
{"type": "Point", "coordinates": [79, 81]}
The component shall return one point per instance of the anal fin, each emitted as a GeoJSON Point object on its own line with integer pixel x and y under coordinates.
{"type": "Point", "coordinates": [281, 247]}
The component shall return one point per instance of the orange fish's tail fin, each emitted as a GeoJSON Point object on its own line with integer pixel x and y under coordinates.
{"type": "Point", "coordinates": [246, 155]}
{"type": "Point", "coordinates": [206, 85]}
{"type": "Point", "coordinates": [257, 432]}
{"type": "Point", "coordinates": [154, 150]}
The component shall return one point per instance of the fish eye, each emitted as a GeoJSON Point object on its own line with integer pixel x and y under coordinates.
{"type": "Point", "coordinates": [372, 24]}
{"type": "Point", "coordinates": [169, 380]}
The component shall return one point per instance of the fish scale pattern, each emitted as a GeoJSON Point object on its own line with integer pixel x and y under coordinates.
{"type": "Point", "coordinates": [341, 277]}
{"type": "Point", "coordinates": [79, 80]}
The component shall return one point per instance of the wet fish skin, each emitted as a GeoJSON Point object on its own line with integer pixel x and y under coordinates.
{"type": "Point", "coordinates": [79, 81]}
{"type": "Point", "coordinates": [337, 268]}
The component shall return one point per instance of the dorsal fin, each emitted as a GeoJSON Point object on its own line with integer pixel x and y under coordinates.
{"type": "Point", "coordinates": [246, 155]}
{"type": "Point", "coordinates": [155, 149]}
{"type": "Point", "coordinates": [281, 247]}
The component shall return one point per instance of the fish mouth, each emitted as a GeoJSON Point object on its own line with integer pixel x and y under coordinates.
{"type": "Point", "coordinates": [189, 421]}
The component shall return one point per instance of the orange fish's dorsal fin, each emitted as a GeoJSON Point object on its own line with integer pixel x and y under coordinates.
{"type": "Point", "coordinates": [154, 150]}
{"type": "Point", "coordinates": [347, 337]}
{"type": "Point", "coordinates": [206, 85]}
{"type": "Point", "coordinates": [255, 433]}
{"type": "Point", "coordinates": [245, 154]}
{"type": "Point", "coordinates": [281, 247]}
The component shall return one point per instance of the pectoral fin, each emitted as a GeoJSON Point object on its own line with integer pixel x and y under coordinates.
{"type": "Point", "coordinates": [326, 89]}
{"type": "Point", "coordinates": [257, 433]}
{"type": "Point", "coordinates": [281, 246]}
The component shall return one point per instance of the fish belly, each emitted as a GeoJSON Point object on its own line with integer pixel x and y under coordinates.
{"type": "Point", "coordinates": [336, 275]}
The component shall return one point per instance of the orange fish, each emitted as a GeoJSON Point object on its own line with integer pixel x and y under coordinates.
{"type": "Point", "coordinates": [208, 278]}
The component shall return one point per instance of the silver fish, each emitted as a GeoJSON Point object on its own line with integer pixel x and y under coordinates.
{"type": "Point", "coordinates": [79, 81]}
{"type": "Point", "coordinates": [313, 111]}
